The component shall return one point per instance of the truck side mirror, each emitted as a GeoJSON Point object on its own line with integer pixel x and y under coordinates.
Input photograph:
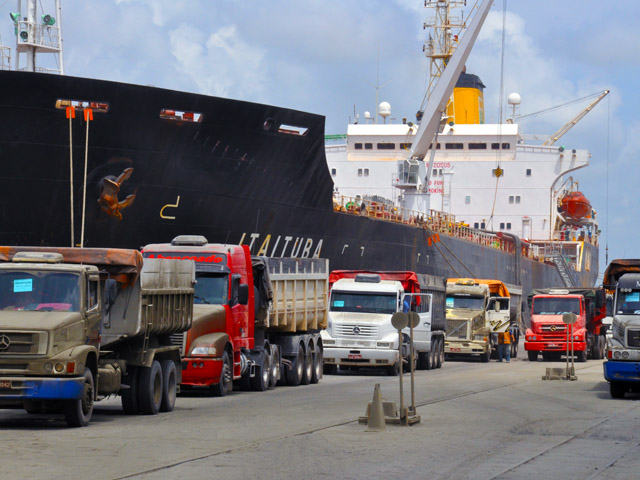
{"type": "Point", "coordinates": [110, 291]}
{"type": "Point", "coordinates": [243, 294]}
{"type": "Point", "coordinates": [496, 306]}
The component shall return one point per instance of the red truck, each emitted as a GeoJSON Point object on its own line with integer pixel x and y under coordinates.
{"type": "Point", "coordinates": [548, 333]}
{"type": "Point", "coordinates": [256, 320]}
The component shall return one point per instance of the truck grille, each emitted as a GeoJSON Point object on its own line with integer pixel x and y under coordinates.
{"type": "Point", "coordinates": [354, 330]}
{"type": "Point", "coordinates": [178, 340]}
{"type": "Point", "coordinates": [556, 328]}
{"type": "Point", "coordinates": [23, 343]}
{"type": "Point", "coordinates": [457, 328]}
{"type": "Point", "coordinates": [633, 338]}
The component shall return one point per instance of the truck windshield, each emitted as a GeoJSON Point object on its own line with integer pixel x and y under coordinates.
{"type": "Point", "coordinates": [466, 301]}
{"type": "Point", "coordinates": [212, 289]}
{"type": "Point", "coordinates": [38, 290]}
{"type": "Point", "coordinates": [363, 302]}
{"type": "Point", "coordinates": [628, 303]}
{"type": "Point", "coordinates": [555, 306]}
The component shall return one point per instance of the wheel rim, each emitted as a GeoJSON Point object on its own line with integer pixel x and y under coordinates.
{"type": "Point", "coordinates": [318, 364]}
{"type": "Point", "coordinates": [87, 398]}
{"type": "Point", "coordinates": [308, 362]}
{"type": "Point", "coordinates": [300, 366]}
{"type": "Point", "coordinates": [266, 369]}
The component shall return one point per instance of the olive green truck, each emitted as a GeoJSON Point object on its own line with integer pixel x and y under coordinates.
{"type": "Point", "coordinates": [78, 325]}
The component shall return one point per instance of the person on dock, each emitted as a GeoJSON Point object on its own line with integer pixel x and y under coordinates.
{"type": "Point", "coordinates": [504, 346]}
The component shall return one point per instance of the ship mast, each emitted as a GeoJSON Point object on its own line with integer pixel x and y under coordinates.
{"type": "Point", "coordinates": [36, 33]}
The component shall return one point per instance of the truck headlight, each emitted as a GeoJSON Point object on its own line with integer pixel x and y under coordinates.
{"type": "Point", "coordinates": [328, 342]}
{"type": "Point", "coordinates": [480, 337]}
{"type": "Point", "coordinates": [383, 344]}
{"type": "Point", "coordinates": [531, 338]}
{"type": "Point", "coordinates": [203, 350]}
{"type": "Point", "coordinates": [617, 354]}
{"type": "Point", "coordinates": [625, 355]}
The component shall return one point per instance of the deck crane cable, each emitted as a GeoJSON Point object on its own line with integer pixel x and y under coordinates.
{"type": "Point", "coordinates": [429, 234]}
{"type": "Point", "coordinates": [498, 170]}
{"type": "Point", "coordinates": [557, 107]}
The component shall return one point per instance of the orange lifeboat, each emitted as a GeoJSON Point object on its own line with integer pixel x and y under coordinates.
{"type": "Point", "coordinates": [575, 206]}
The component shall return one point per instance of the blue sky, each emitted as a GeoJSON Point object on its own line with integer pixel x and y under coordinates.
{"type": "Point", "coordinates": [321, 56]}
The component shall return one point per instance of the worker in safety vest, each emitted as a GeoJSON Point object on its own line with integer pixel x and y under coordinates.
{"type": "Point", "coordinates": [504, 346]}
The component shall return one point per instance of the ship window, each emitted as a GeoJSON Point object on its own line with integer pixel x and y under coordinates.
{"type": "Point", "coordinates": [405, 146]}
{"type": "Point", "coordinates": [482, 225]}
{"type": "Point", "coordinates": [517, 198]}
{"type": "Point", "coordinates": [528, 172]}
{"type": "Point", "coordinates": [495, 146]}
{"type": "Point", "coordinates": [477, 146]}
{"type": "Point", "coordinates": [366, 172]}
{"type": "Point", "coordinates": [358, 146]}
{"type": "Point", "coordinates": [501, 225]}
{"type": "Point", "coordinates": [386, 146]}
{"type": "Point", "coordinates": [476, 225]}
{"type": "Point", "coordinates": [102, 107]}
{"type": "Point", "coordinates": [333, 172]}
{"type": "Point", "coordinates": [437, 146]}
{"type": "Point", "coordinates": [440, 172]}
{"type": "Point", "coordinates": [511, 198]}
{"type": "Point", "coordinates": [368, 146]}
{"type": "Point", "coordinates": [454, 146]}
{"type": "Point", "coordinates": [467, 199]}
{"type": "Point", "coordinates": [292, 130]}
{"type": "Point", "coordinates": [506, 146]}
{"type": "Point", "coordinates": [180, 116]}
{"type": "Point", "coordinates": [359, 172]}
{"type": "Point", "coordinates": [508, 225]}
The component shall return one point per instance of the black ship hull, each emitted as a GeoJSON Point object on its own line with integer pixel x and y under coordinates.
{"type": "Point", "coordinates": [242, 172]}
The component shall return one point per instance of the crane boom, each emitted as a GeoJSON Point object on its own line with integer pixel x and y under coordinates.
{"type": "Point", "coordinates": [443, 90]}
{"type": "Point", "coordinates": [569, 125]}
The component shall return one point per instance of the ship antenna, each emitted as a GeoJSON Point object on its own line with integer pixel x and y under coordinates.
{"type": "Point", "coordinates": [606, 250]}
{"type": "Point", "coordinates": [377, 86]}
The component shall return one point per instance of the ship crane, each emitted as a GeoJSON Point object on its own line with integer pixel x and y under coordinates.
{"type": "Point", "coordinates": [569, 125]}
{"type": "Point", "coordinates": [431, 123]}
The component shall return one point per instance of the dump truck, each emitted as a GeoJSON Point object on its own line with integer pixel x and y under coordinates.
{"type": "Point", "coordinates": [622, 367]}
{"type": "Point", "coordinates": [78, 325]}
{"type": "Point", "coordinates": [549, 335]}
{"type": "Point", "coordinates": [257, 320]}
{"type": "Point", "coordinates": [360, 333]}
{"type": "Point", "coordinates": [477, 310]}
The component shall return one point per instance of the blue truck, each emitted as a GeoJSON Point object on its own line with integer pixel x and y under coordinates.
{"type": "Point", "coordinates": [622, 367]}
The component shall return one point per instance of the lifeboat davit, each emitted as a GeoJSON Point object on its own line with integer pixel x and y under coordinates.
{"type": "Point", "coordinates": [575, 206]}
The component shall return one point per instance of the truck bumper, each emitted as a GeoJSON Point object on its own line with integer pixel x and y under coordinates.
{"type": "Point", "coordinates": [615, 371]}
{"type": "Point", "coordinates": [41, 388]}
{"type": "Point", "coordinates": [201, 371]}
{"type": "Point", "coordinates": [542, 345]}
{"type": "Point", "coordinates": [466, 347]}
{"type": "Point", "coordinates": [365, 357]}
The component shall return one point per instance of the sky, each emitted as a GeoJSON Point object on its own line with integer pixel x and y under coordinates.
{"type": "Point", "coordinates": [326, 56]}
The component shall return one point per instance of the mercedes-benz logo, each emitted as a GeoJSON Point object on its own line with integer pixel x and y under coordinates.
{"type": "Point", "coordinates": [356, 330]}
{"type": "Point", "coordinates": [552, 328]}
{"type": "Point", "coordinates": [4, 342]}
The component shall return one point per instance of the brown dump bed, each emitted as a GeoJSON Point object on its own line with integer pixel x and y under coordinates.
{"type": "Point", "coordinates": [619, 267]}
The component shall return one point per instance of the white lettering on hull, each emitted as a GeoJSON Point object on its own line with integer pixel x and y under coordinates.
{"type": "Point", "coordinates": [301, 247]}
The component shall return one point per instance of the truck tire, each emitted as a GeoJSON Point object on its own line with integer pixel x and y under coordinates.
{"type": "Point", "coordinates": [225, 385]}
{"type": "Point", "coordinates": [308, 365]}
{"type": "Point", "coordinates": [484, 357]}
{"type": "Point", "coordinates": [260, 381]}
{"type": "Point", "coordinates": [78, 412]}
{"type": "Point", "coordinates": [276, 366]}
{"type": "Point", "coordinates": [393, 370]}
{"type": "Point", "coordinates": [296, 371]}
{"type": "Point", "coordinates": [439, 353]}
{"type": "Point", "coordinates": [581, 356]}
{"type": "Point", "coordinates": [533, 355]}
{"type": "Point", "coordinates": [316, 374]}
{"type": "Point", "coordinates": [150, 388]}
{"type": "Point", "coordinates": [169, 385]}
{"type": "Point", "coordinates": [129, 396]}
{"type": "Point", "coordinates": [617, 389]}
{"type": "Point", "coordinates": [424, 360]}
{"type": "Point", "coordinates": [329, 369]}
{"type": "Point", "coordinates": [32, 406]}
{"type": "Point", "coordinates": [514, 349]}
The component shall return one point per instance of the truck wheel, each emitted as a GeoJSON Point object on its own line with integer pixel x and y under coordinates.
{"type": "Point", "coordinates": [581, 356]}
{"type": "Point", "coordinates": [295, 372]}
{"type": "Point", "coordinates": [260, 382]}
{"type": "Point", "coordinates": [308, 365]}
{"type": "Point", "coordinates": [129, 396]}
{"type": "Point", "coordinates": [150, 388]}
{"type": "Point", "coordinates": [32, 406]}
{"type": "Point", "coordinates": [393, 370]}
{"type": "Point", "coordinates": [225, 385]}
{"type": "Point", "coordinates": [424, 360]}
{"type": "Point", "coordinates": [617, 389]}
{"type": "Point", "coordinates": [316, 374]}
{"type": "Point", "coordinates": [78, 412]}
{"type": "Point", "coordinates": [484, 357]}
{"type": "Point", "coordinates": [329, 369]}
{"type": "Point", "coordinates": [169, 385]}
{"type": "Point", "coordinates": [533, 355]}
{"type": "Point", "coordinates": [275, 370]}
{"type": "Point", "coordinates": [514, 349]}
{"type": "Point", "coordinates": [439, 353]}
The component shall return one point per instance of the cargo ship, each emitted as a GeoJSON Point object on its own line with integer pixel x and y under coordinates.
{"type": "Point", "coordinates": [96, 163]}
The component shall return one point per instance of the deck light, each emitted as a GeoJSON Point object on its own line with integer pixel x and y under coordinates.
{"type": "Point", "coordinates": [15, 16]}
{"type": "Point", "coordinates": [48, 20]}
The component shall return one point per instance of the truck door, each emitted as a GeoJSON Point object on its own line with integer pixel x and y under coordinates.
{"type": "Point", "coordinates": [239, 313]}
{"type": "Point", "coordinates": [498, 313]}
{"type": "Point", "coordinates": [93, 311]}
{"type": "Point", "coordinates": [421, 304]}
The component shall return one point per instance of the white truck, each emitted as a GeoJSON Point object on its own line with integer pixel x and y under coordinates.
{"type": "Point", "coordinates": [359, 331]}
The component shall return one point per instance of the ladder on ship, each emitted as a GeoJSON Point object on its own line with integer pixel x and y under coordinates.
{"type": "Point", "coordinates": [563, 269]}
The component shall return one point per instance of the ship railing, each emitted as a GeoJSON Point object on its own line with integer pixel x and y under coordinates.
{"type": "Point", "coordinates": [5, 57]}
{"type": "Point", "coordinates": [435, 221]}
